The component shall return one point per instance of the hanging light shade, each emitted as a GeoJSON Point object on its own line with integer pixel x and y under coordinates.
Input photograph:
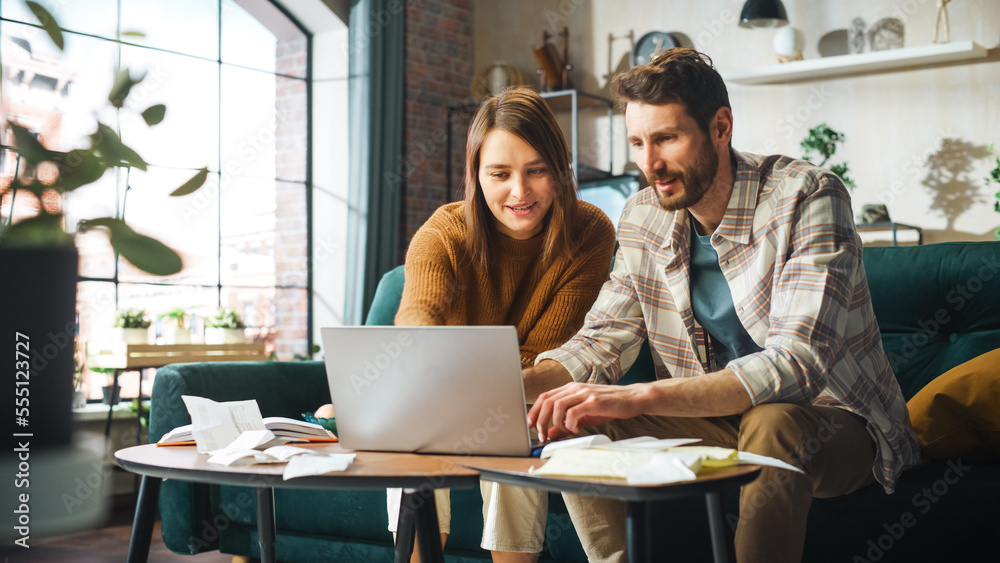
{"type": "Point", "coordinates": [763, 13]}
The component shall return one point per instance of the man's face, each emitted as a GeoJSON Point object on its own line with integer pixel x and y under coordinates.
{"type": "Point", "coordinates": [678, 159]}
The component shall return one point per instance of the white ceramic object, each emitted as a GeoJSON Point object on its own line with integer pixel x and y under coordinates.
{"type": "Point", "coordinates": [214, 335]}
{"type": "Point", "coordinates": [132, 335]}
{"type": "Point", "coordinates": [789, 42]}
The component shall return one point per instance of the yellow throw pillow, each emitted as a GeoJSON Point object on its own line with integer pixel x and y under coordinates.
{"type": "Point", "coordinates": [958, 414]}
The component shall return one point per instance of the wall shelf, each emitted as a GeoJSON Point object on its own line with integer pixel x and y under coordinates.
{"type": "Point", "coordinates": [893, 59]}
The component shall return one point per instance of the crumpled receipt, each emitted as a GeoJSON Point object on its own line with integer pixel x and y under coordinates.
{"type": "Point", "coordinates": [306, 465]}
{"type": "Point", "coordinates": [666, 467]}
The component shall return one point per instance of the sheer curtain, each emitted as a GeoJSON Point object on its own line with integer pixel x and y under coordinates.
{"type": "Point", "coordinates": [377, 38]}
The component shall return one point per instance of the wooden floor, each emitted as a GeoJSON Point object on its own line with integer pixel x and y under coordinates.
{"type": "Point", "coordinates": [103, 545]}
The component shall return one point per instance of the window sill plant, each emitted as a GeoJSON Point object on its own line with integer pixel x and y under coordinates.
{"type": "Point", "coordinates": [178, 331]}
{"type": "Point", "coordinates": [225, 327]}
{"type": "Point", "coordinates": [132, 326]}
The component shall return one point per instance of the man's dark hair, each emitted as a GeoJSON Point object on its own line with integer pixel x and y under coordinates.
{"type": "Point", "coordinates": [679, 75]}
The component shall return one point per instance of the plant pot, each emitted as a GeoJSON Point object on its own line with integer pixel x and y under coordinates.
{"type": "Point", "coordinates": [132, 335]}
{"type": "Point", "coordinates": [182, 336]}
{"type": "Point", "coordinates": [79, 399]}
{"type": "Point", "coordinates": [214, 335]}
{"type": "Point", "coordinates": [111, 394]}
{"type": "Point", "coordinates": [38, 324]}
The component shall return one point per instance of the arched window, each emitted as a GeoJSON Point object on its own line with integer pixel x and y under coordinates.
{"type": "Point", "coordinates": [238, 80]}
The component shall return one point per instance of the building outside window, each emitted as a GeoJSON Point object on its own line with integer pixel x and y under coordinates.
{"type": "Point", "coordinates": [235, 78]}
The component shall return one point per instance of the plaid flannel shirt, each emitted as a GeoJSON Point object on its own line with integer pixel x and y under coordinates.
{"type": "Point", "coordinates": [792, 258]}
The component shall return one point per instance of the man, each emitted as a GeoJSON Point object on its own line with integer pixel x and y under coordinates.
{"type": "Point", "coordinates": [745, 274]}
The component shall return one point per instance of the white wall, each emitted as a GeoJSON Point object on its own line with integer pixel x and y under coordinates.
{"type": "Point", "coordinates": [894, 122]}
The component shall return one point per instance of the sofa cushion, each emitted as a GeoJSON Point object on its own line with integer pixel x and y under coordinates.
{"type": "Point", "coordinates": [936, 306]}
{"type": "Point", "coordinates": [957, 414]}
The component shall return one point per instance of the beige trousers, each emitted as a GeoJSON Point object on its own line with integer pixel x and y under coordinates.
{"type": "Point", "coordinates": [831, 445]}
{"type": "Point", "coordinates": [513, 517]}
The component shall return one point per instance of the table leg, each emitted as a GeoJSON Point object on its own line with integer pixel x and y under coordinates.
{"type": "Point", "coordinates": [111, 407]}
{"type": "Point", "coordinates": [142, 524]}
{"type": "Point", "coordinates": [716, 526]}
{"type": "Point", "coordinates": [637, 534]}
{"type": "Point", "coordinates": [420, 503]}
{"type": "Point", "coordinates": [265, 523]}
{"type": "Point", "coordinates": [405, 526]}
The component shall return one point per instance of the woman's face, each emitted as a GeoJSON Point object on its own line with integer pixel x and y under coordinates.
{"type": "Point", "coordinates": [518, 185]}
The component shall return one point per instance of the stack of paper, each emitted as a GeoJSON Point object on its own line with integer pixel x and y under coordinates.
{"type": "Point", "coordinates": [642, 461]}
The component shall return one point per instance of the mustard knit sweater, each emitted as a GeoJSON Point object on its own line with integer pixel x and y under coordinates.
{"type": "Point", "coordinates": [547, 305]}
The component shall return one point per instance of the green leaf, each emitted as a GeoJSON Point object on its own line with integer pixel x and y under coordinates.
{"type": "Point", "coordinates": [28, 146]}
{"type": "Point", "coordinates": [122, 86]}
{"type": "Point", "coordinates": [77, 168]}
{"type": "Point", "coordinates": [154, 114]}
{"type": "Point", "coordinates": [133, 34]}
{"type": "Point", "coordinates": [145, 253]}
{"type": "Point", "coordinates": [49, 23]}
{"type": "Point", "coordinates": [107, 145]}
{"type": "Point", "coordinates": [130, 157]}
{"type": "Point", "coordinates": [44, 230]}
{"type": "Point", "coordinates": [193, 184]}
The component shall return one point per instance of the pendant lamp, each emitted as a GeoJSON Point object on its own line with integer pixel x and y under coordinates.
{"type": "Point", "coordinates": [763, 13]}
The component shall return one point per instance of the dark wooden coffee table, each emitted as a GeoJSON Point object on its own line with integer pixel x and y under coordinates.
{"type": "Point", "coordinates": [418, 475]}
{"type": "Point", "coordinates": [710, 482]}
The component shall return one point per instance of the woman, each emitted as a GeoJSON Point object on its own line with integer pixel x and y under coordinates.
{"type": "Point", "coordinates": [520, 250]}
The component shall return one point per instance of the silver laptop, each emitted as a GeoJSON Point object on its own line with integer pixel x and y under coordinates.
{"type": "Point", "coordinates": [442, 389]}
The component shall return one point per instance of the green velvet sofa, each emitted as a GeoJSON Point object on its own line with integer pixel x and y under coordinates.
{"type": "Point", "coordinates": [937, 307]}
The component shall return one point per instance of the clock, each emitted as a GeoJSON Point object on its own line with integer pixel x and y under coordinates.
{"type": "Point", "coordinates": [650, 45]}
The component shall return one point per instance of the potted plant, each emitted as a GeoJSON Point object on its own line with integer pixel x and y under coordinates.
{"type": "Point", "coordinates": [823, 141]}
{"type": "Point", "coordinates": [225, 327]}
{"type": "Point", "coordinates": [179, 332]}
{"type": "Point", "coordinates": [132, 326]}
{"type": "Point", "coordinates": [38, 253]}
{"type": "Point", "coordinates": [994, 178]}
{"type": "Point", "coordinates": [111, 393]}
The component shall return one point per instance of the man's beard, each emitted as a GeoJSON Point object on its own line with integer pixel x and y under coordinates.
{"type": "Point", "coordinates": [696, 181]}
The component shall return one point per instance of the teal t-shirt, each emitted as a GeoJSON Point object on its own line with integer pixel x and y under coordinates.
{"type": "Point", "coordinates": [712, 303]}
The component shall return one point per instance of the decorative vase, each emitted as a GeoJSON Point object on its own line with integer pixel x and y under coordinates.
{"type": "Point", "coordinates": [38, 325]}
{"type": "Point", "coordinates": [132, 335]}
{"type": "Point", "coordinates": [215, 335]}
{"type": "Point", "coordinates": [887, 33]}
{"type": "Point", "coordinates": [79, 399]}
{"type": "Point", "coordinates": [788, 44]}
{"type": "Point", "coordinates": [111, 394]}
{"type": "Point", "coordinates": [856, 36]}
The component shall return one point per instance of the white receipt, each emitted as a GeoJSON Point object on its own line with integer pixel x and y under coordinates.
{"type": "Point", "coordinates": [306, 465]}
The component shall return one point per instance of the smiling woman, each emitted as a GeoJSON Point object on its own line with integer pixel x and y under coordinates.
{"type": "Point", "coordinates": [517, 185]}
{"type": "Point", "coordinates": [520, 250]}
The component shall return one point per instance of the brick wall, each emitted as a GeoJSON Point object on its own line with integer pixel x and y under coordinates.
{"type": "Point", "coordinates": [439, 68]}
{"type": "Point", "coordinates": [290, 264]}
